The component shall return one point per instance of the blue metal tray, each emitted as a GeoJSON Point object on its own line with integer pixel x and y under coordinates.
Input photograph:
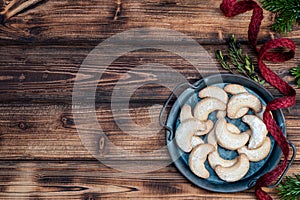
{"type": "Point", "coordinates": [180, 159]}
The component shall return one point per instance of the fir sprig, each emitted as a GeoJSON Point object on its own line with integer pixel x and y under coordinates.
{"type": "Point", "coordinates": [242, 64]}
{"type": "Point", "coordinates": [290, 188]}
{"type": "Point", "coordinates": [295, 71]}
{"type": "Point", "coordinates": [224, 61]}
{"type": "Point", "coordinates": [287, 13]}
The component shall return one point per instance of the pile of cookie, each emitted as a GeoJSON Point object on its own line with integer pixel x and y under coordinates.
{"type": "Point", "coordinates": [201, 137]}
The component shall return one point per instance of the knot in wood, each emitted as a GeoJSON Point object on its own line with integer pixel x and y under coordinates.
{"type": "Point", "coordinates": [23, 125]}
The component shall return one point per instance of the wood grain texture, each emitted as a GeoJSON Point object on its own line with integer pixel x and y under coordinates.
{"type": "Point", "coordinates": [61, 21]}
{"type": "Point", "coordinates": [83, 179]}
{"type": "Point", "coordinates": [48, 132]}
{"type": "Point", "coordinates": [41, 50]}
{"type": "Point", "coordinates": [47, 73]}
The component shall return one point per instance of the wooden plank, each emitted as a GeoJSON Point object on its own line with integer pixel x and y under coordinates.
{"type": "Point", "coordinates": [48, 132]}
{"type": "Point", "coordinates": [47, 73]}
{"type": "Point", "coordinates": [91, 179]}
{"type": "Point", "coordinates": [60, 21]}
{"type": "Point", "coordinates": [42, 48]}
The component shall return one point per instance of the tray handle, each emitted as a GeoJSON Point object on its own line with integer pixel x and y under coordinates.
{"type": "Point", "coordinates": [163, 110]}
{"type": "Point", "coordinates": [287, 167]}
{"type": "Point", "coordinates": [252, 183]}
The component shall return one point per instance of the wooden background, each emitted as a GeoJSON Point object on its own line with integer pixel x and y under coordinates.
{"type": "Point", "coordinates": [41, 50]}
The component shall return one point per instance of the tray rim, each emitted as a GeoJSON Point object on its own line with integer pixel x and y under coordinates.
{"type": "Point", "coordinates": [178, 160]}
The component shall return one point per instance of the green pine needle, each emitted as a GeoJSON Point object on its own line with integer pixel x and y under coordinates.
{"type": "Point", "coordinates": [241, 63]}
{"type": "Point", "coordinates": [296, 73]}
{"type": "Point", "coordinates": [223, 60]}
{"type": "Point", "coordinates": [290, 188]}
{"type": "Point", "coordinates": [287, 11]}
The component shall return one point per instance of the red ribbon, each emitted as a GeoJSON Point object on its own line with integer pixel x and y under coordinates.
{"type": "Point", "coordinates": [232, 8]}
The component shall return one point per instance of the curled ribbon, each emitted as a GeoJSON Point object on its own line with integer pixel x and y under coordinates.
{"type": "Point", "coordinates": [232, 8]}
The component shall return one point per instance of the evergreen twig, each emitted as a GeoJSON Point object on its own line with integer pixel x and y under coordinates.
{"type": "Point", "coordinates": [296, 73]}
{"type": "Point", "coordinates": [242, 64]}
{"type": "Point", "coordinates": [287, 13]}
{"type": "Point", "coordinates": [290, 188]}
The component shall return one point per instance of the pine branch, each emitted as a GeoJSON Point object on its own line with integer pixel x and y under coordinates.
{"type": "Point", "coordinates": [287, 11]}
{"type": "Point", "coordinates": [296, 73]}
{"type": "Point", "coordinates": [242, 64]}
{"type": "Point", "coordinates": [224, 61]}
{"type": "Point", "coordinates": [290, 188]}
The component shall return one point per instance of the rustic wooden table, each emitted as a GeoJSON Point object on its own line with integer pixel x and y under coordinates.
{"type": "Point", "coordinates": [42, 48]}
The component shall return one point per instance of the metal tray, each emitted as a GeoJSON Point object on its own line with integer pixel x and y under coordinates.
{"type": "Point", "coordinates": [180, 159]}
